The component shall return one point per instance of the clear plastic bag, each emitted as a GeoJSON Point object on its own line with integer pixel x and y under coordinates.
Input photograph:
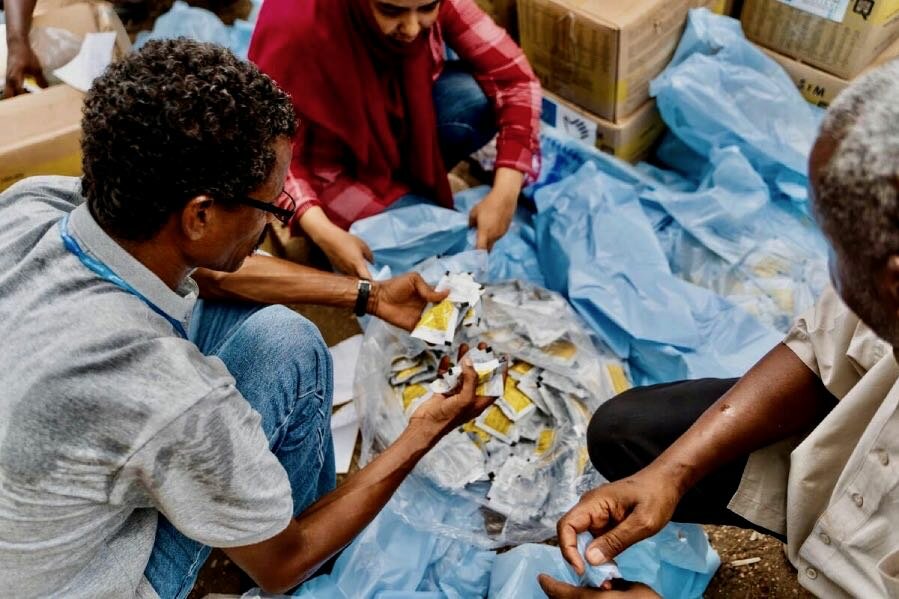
{"type": "Point", "coordinates": [54, 47]}
{"type": "Point", "coordinates": [520, 496]}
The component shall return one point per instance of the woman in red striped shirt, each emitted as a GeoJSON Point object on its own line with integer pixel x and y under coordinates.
{"type": "Point", "coordinates": [384, 115]}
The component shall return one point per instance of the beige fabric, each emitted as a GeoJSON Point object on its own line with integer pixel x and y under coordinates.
{"type": "Point", "coordinates": [889, 571]}
{"type": "Point", "coordinates": [837, 494]}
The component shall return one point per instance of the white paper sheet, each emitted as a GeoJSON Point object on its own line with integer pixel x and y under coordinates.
{"type": "Point", "coordinates": [344, 355]}
{"type": "Point", "coordinates": [344, 429]}
{"type": "Point", "coordinates": [94, 56]}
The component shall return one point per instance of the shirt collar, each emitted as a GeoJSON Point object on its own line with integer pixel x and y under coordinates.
{"type": "Point", "coordinates": [178, 304]}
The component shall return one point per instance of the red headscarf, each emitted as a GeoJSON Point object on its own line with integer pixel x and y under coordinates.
{"type": "Point", "coordinates": [346, 76]}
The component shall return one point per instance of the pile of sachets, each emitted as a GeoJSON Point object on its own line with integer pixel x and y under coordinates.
{"type": "Point", "coordinates": [522, 457]}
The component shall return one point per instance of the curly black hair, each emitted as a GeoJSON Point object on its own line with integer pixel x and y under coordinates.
{"type": "Point", "coordinates": [172, 121]}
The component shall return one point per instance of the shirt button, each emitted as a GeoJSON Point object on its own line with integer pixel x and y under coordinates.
{"type": "Point", "coordinates": [811, 573]}
{"type": "Point", "coordinates": [884, 457]}
{"type": "Point", "coordinates": [825, 538]}
{"type": "Point", "coordinates": [858, 500]}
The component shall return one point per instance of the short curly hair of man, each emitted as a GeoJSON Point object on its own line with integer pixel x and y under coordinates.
{"type": "Point", "coordinates": [175, 120]}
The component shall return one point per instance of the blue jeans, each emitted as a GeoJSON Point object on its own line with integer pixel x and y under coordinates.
{"type": "Point", "coordinates": [465, 118]}
{"type": "Point", "coordinates": [283, 369]}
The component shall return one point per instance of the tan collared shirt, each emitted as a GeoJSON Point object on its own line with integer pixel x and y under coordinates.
{"type": "Point", "coordinates": [835, 493]}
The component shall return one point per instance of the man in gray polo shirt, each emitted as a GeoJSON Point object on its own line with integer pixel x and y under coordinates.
{"type": "Point", "coordinates": [138, 427]}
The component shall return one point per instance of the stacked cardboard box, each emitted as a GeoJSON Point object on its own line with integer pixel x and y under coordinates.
{"type": "Point", "coordinates": [632, 138]}
{"type": "Point", "coordinates": [42, 131]}
{"type": "Point", "coordinates": [823, 46]}
{"type": "Point", "coordinates": [842, 43]}
{"type": "Point", "coordinates": [820, 87]}
{"type": "Point", "coordinates": [596, 59]}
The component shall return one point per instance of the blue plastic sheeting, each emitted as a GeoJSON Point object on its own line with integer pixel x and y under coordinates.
{"type": "Point", "coordinates": [406, 234]}
{"type": "Point", "coordinates": [515, 573]}
{"type": "Point", "coordinates": [719, 90]}
{"type": "Point", "coordinates": [677, 563]}
{"type": "Point", "coordinates": [403, 237]}
{"type": "Point", "coordinates": [598, 243]}
{"type": "Point", "coordinates": [202, 25]}
{"type": "Point", "coordinates": [392, 559]}
{"type": "Point", "coordinates": [723, 212]}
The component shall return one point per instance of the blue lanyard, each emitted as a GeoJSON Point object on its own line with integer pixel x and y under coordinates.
{"type": "Point", "coordinates": [106, 273]}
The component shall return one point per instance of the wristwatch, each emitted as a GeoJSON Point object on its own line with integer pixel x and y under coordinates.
{"type": "Point", "coordinates": [363, 290]}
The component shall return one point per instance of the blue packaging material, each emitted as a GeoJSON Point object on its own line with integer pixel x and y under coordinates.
{"type": "Point", "coordinates": [473, 261]}
{"type": "Point", "coordinates": [719, 90]}
{"type": "Point", "coordinates": [187, 21]}
{"type": "Point", "coordinates": [413, 230]}
{"type": "Point", "coordinates": [723, 211]}
{"type": "Point", "coordinates": [677, 563]}
{"type": "Point", "coordinates": [202, 25]}
{"type": "Point", "coordinates": [402, 237]}
{"type": "Point", "coordinates": [386, 556]}
{"type": "Point", "coordinates": [597, 246]}
{"type": "Point", "coordinates": [515, 572]}
{"type": "Point", "coordinates": [393, 559]}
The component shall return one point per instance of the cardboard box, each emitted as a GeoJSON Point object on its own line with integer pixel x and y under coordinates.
{"type": "Point", "coordinates": [820, 87]}
{"type": "Point", "coordinates": [843, 46]}
{"type": "Point", "coordinates": [503, 12]}
{"type": "Point", "coordinates": [600, 54]}
{"type": "Point", "coordinates": [630, 139]}
{"type": "Point", "coordinates": [44, 135]}
{"type": "Point", "coordinates": [42, 131]}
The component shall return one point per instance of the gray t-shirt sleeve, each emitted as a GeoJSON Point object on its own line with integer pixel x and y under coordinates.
{"type": "Point", "coordinates": [211, 473]}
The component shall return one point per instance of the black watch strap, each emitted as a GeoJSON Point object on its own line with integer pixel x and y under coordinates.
{"type": "Point", "coordinates": [363, 291]}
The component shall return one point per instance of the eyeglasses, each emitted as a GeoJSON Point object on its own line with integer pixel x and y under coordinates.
{"type": "Point", "coordinates": [282, 214]}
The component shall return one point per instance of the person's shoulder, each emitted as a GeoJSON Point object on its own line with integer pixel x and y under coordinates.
{"type": "Point", "coordinates": [119, 354]}
{"type": "Point", "coordinates": [38, 199]}
{"type": "Point", "coordinates": [49, 189]}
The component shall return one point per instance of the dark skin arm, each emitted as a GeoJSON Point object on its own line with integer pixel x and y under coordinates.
{"type": "Point", "coordinates": [268, 280]}
{"type": "Point", "coordinates": [778, 398]}
{"type": "Point", "coordinates": [289, 558]}
{"type": "Point", "coordinates": [21, 61]}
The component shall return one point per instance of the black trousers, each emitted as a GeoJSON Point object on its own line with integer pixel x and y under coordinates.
{"type": "Point", "coordinates": [631, 430]}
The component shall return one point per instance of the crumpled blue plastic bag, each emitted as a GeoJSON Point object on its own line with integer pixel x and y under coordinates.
{"type": "Point", "coordinates": [413, 231]}
{"type": "Point", "coordinates": [597, 246]}
{"type": "Point", "coordinates": [515, 572]}
{"type": "Point", "coordinates": [391, 559]}
{"type": "Point", "coordinates": [403, 237]}
{"type": "Point", "coordinates": [719, 90]}
{"type": "Point", "coordinates": [677, 563]}
{"type": "Point", "coordinates": [723, 211]}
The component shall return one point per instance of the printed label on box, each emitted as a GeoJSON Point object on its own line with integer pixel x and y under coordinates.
{"type": "Point", "coordinates": [834, 10]}
{"type": "Point", "coordinates": [573, 124]}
